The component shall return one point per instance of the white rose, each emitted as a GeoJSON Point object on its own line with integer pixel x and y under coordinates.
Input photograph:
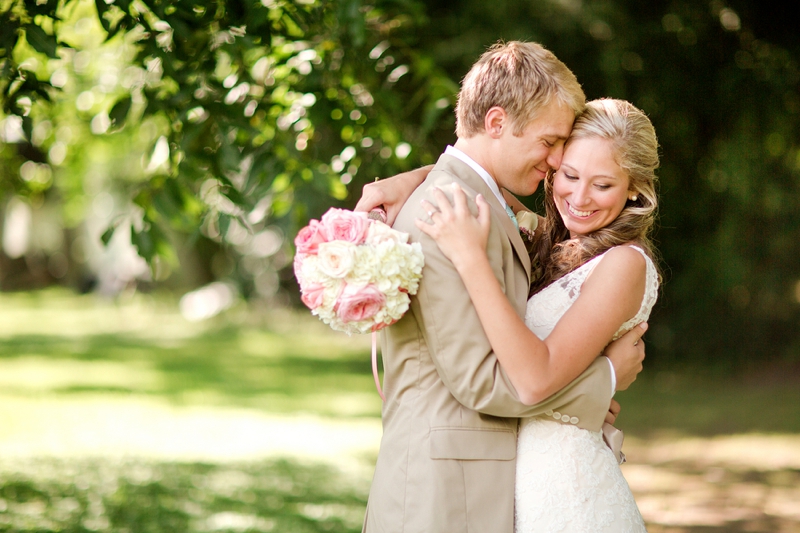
{"type": "Point", "coordinates": [380, 232]}
{"type": "Point", "coordinates": [336, 258]}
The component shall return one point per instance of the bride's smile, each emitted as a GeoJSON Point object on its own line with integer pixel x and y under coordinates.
{"type": "Point", "coordinates": [579, 214]}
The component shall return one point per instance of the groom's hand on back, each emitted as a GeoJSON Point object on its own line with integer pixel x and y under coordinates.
{"type": "Point", "coordinates": [627, 354]}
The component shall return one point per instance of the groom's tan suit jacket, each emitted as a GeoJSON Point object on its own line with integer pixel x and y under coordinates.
{"type": "Point", "coordinates": [447, 456]}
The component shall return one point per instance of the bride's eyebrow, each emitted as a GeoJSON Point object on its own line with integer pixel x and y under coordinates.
{"type": "Point", "coordinates": [605, 176]}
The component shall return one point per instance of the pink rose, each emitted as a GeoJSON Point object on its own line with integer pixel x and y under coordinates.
{"type": "Point", "coordinates": [309, 238]}
{"type": "Point", "coordinates": [343, 225]}
{"type": "Point", "coordinates": [312, 295]}
{"type": "Point", "coordinates": [359, 302]}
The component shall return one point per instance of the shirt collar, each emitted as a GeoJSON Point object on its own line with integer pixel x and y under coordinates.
{"type": "Point", "coordinates": [458, 154]}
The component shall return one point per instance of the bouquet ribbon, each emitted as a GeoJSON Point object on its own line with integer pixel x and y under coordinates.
{"type": "Point", "coordinates": [375, 364]}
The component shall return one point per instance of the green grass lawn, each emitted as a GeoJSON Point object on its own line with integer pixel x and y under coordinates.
{"type": "Point", "coordinates": [121, 416]}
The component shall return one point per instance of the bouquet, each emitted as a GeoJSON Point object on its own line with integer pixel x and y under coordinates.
{"type": "Point", "coordinates": [356, 273]}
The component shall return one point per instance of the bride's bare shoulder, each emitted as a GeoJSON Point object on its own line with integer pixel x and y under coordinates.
{"type": "Point", "coordinates": [623, 263]}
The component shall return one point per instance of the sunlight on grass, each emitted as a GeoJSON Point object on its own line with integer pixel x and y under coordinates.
{"type": "Point", "coordinates": [40, 373]}
{"type": "Point", "coordinates": [96, 425]}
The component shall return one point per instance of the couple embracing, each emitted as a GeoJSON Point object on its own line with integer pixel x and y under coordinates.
{"type": "Point", "coordinates": [500, 377]}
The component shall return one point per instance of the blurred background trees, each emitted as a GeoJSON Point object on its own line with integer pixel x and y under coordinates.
{"type": "Point", "coordinates": [150, 144]}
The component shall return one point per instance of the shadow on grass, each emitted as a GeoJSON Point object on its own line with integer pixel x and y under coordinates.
{"type": "Point", "coordinates": [157, 498]}
{"type": "Point", "coordinates": [236, 366]}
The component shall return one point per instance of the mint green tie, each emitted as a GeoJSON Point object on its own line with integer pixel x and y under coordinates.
{"type": "Point", "coordinates": [512, 216]}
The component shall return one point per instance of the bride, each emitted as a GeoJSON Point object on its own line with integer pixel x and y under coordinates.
{"type": "Point", "coordinates": [598, 280]}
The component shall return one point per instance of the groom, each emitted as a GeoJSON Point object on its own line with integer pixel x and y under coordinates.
{"type": "Point", "coordinates": [447, 456]}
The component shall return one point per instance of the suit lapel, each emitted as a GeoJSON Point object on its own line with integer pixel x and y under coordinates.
{"type": "Point", "coordinates": [453, 165]}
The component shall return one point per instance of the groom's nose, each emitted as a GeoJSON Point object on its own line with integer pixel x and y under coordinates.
{"type": "Point", "coordinates": [555, 156]}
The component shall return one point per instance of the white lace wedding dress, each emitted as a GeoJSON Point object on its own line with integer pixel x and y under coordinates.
{"type": "Point", "coordinates": [568, 480]}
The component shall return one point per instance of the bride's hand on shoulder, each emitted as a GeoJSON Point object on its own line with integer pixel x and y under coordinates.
{"type": "Point", "coordinates": [460, 235]}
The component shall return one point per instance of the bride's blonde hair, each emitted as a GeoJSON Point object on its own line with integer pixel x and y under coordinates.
{"type": "Point", "coordinates": [635, 149]}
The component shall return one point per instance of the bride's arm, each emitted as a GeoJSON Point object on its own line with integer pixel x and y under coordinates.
{"type": "Point", "coordinates": [391, 193]}
{"type": "Point", "coordinates": [536, 368]}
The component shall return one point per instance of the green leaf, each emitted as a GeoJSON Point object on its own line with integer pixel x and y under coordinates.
{"type": "Point", "coordinates": [27, 127]}
{"type": "Point", "coordinates": [47, 8]}
{"type": "Point", "coordinates": [119, 113]}
{"type": "Point", "coordinates": [40, 41]}
{"type": "Point", "coordinates": [169, 201]}
{"type": "Point", "coordinates": [144, 244]}
{"type": "Point", "coordinates": [107, 234]}
{"type": "Point", "coordinates": [102, 8]}
{"type": "Point", "coordinates": [8, 37]}
{"type": "Point", "coordinates": [223, 223]}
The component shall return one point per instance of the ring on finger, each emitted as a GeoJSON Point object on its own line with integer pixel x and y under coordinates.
{"type": "Point", "coordinates": [431, 213]}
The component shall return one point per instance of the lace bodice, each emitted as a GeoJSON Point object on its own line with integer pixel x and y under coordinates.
{"type": "Point", "coordinates": [546, 307]}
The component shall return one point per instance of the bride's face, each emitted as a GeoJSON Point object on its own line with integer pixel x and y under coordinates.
{"type": "Point", "coordinates": [590, 189]}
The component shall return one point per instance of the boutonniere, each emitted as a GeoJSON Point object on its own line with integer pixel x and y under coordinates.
{"type": "Point", "coordinates": [528, 222]}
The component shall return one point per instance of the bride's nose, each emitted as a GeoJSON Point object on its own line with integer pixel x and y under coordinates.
{"type": "Point", "coordinates": [580, 195]}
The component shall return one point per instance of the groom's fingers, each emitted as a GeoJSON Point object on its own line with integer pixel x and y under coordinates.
{"type": "Point", "coordinates": [634, 336]}
{"type": "Point", "coordinates": [613, 411]}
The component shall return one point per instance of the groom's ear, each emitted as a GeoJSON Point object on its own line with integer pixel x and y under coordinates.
{"type": "Point", "coordinates": [495, 120]}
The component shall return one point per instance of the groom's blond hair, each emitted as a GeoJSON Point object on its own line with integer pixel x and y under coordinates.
{"type": "Point", "coordinates": [520, 77]}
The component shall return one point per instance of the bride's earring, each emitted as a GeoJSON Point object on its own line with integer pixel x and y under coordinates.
{"type": "Point", "coordinates": [633, 197]}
